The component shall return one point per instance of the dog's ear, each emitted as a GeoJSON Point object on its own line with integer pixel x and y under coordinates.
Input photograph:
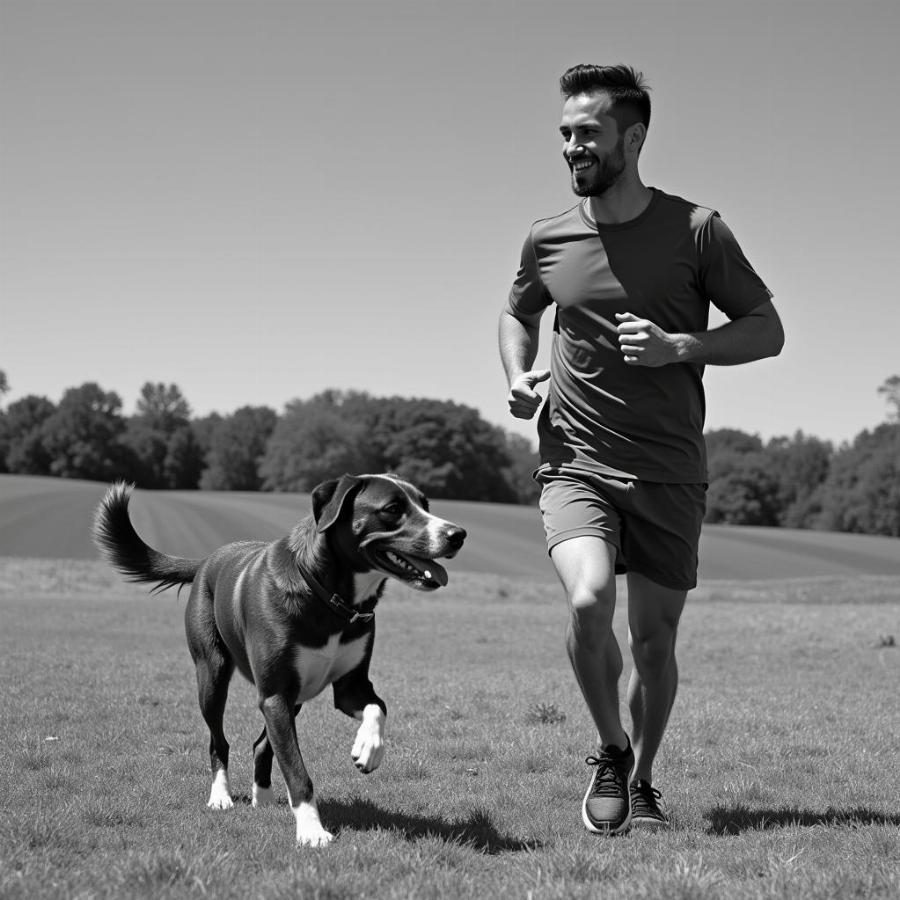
{"type": "Point", "coordinates": [329, 497]}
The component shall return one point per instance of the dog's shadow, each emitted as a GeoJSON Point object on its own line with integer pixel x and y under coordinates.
{"type": "Point", "coordinates": [737, 819]}
{"type": "Point", "coordinates": [477, 830]}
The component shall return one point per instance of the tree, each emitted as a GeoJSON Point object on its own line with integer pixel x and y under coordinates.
{"type": "Point", "coordinates": [518, 474]}
{"type": "Point", "coordinates": [161, 414]}
{"type": "Point", "coordinates": [445, 448]}
{"type": "Point", "coordinates": [891, 391]}
{"type": "Point", "coordinates": [723, 440]}
{"type": "Point", "coordinates": [22, 442]}
{"type": "Point", "coordinates": [742, 489]}
{"type": "Point", "coordinates": [312, 442]}
{"type": "Point", "coordinates": [184, 460]}
{"type": "Point", "coordinates": [237, 448]}
{"type": "Point", "coordinates": [862, 491]}
{"type": "Point", "coordinates": [82, 436]}
{"type": "Point", "coordinates": [800, 466]}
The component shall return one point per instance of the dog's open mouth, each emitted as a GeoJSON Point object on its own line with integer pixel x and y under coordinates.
{"type": "Point", "coordinates": [423, 574]}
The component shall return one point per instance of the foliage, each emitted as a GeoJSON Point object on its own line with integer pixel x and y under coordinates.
{"type": "Point", "coordinates": [312, 442]}
{"type": "Point", "coordinates": [21, 438]}
{"type": "Point", "coordinates": [891, 391]}
{"type": "Point", "coordinates": [165, 451]}
{"type": "Point", "coordinates": [742, 489]}
{"type": "Point", "coordinates": [862, 490]}
{"type": "Point", "coordinates": [445, 448]}
{"type": "Point", "coordinates": [81, 437]}
{"type": "Point", "coordinates": [799, 465]}
{"type": "Point", "coordinates": [236, 449]}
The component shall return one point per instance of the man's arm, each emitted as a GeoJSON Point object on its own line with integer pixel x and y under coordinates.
{"type": "Point", "coordinates": [757, 335]}
{"type": "Point", "coordinates": [519, 335]}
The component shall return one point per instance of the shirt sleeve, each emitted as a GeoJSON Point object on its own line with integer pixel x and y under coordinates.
{"type": "Point", "coordinates": [728, 280]}
{"type": "Point", "coordinates": [528, 295]}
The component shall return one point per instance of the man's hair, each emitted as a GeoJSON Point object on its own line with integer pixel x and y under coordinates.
{"type": "Point", "coordinates": [626, 87]}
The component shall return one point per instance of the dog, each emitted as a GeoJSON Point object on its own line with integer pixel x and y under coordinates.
{"type": "Point", "coordinates": [293, 616]}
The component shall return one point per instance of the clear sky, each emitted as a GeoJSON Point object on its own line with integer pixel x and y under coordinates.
{"type": "Point", "coordinates": [258, 200]}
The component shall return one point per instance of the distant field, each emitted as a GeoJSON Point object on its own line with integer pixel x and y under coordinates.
{"type": "Point", "coordinates": [50, 518]}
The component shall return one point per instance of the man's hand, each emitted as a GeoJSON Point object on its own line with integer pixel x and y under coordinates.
{"type": "Point", "coordinates": [646, 344]}
{"type": "Point", "coordinates": [523, 399]}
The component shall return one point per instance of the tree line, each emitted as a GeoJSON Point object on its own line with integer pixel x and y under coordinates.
{"type": "Point", "coordinates": [445, 447]}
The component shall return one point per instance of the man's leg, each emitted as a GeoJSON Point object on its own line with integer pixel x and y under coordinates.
{"type": "Point", "coordinates": [586, 567]}
{"type": "Point", "coordinates": [653, 615]}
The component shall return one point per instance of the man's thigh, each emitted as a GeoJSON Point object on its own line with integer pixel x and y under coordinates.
{"type": "Point", "coordinates": [586, 567]}
{"type": "Point", "coordinates": [576, 504]}
{"type": "Point", "coordinates": [653, 609]}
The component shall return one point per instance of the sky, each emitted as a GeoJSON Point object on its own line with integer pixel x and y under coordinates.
{"type": "Point", "coordinates": [259, 200]}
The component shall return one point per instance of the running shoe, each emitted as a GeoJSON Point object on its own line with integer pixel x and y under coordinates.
{"type": "Point", "coordinates": [606, 808]}
{"type": "Point", "coordinates": [646, 806]}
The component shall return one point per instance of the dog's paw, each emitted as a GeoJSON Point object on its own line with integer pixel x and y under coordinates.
{"type": "Point", "coordinates": [263, 796]}
{"type": "Point", "coordinates": [310, 832]}
{"type": "Point", "coordinates": [320, 838]}
{"type": "Point", "coordinates": [220, 792]}
{"type": "Point", "coordinates": [368, 748]}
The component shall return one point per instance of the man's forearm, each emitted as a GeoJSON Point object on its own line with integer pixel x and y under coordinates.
{"type": "Point", "coordinates": [744, 340]}
{"type": "Point", "coordinates": [518, 345]}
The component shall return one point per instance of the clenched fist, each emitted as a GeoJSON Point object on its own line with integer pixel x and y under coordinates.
{"type": "Point", "coordinates": [523, 399]}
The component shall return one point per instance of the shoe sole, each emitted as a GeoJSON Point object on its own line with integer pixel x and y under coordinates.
{"type": "Point", "coordinates": [652, 824]}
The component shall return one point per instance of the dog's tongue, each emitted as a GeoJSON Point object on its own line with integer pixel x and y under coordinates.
{"type": "Point", "coordinates": [432, 570]}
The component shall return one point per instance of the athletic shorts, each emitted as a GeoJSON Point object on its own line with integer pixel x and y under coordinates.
{"type": "Point", "coordinates": [654, 527]}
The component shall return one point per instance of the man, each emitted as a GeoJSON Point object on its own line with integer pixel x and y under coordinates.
{"type": "Point", "coordinates": [631, 271]}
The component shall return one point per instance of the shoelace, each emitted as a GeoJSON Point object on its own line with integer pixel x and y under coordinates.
{"type": "Point", "coordinates": [646, 792]}
{"type": "Point", "coordinates": [609, 781]}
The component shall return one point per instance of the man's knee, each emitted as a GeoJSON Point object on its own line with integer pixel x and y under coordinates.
{"type": "Point", "coordinates": [653, 652]}
{"type": "Point", "coordinates": [591, 615]}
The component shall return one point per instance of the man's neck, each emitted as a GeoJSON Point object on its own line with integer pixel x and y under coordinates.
{"type": "Point", "coordinates": [621, 203]}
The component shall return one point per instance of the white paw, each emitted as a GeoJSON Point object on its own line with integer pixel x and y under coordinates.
{"type": "Point", "coordinates": [368, 748]}
{"type": "Point", "coordinates": [263, 796]}
{"type": "Point", "coordinates": [310, 832]}
{"type": "Point", "coordinates": [319, 838]}
{"type": "Point", "coordinates": [220, 793]}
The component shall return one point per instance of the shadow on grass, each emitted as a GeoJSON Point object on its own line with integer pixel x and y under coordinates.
{"type": "Point", "coordinates": [737, 819]}
{"type": "Point", "coordinates": [477, 830]}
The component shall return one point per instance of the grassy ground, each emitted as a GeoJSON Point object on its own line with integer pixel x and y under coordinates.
{"type": "Point", "coordinates": [780, 763]}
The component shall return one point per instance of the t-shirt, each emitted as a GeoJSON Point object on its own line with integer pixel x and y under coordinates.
{"type": "Point", "coordinates": [667, 265]}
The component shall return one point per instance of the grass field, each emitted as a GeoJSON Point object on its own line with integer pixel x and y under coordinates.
{"type": "Point", "coordinates": [780, 765]}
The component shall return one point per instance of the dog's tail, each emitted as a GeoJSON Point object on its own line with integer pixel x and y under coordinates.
{"type": "Point", "coordinates": [122, 547]}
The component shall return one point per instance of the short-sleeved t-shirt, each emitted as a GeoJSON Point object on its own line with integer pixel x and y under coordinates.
{"type": "Point", "coordinates": [667, 265]}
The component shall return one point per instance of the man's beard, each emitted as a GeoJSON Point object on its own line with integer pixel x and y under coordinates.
{"type": "Point", "coordinates": [603, 175]}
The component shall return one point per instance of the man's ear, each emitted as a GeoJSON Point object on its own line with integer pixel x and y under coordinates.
{"type": "Point", "coordinates": [329, 497]}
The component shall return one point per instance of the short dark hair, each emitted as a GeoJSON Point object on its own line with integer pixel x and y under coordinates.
{"type": "Point", "coordinates": [629, 92]}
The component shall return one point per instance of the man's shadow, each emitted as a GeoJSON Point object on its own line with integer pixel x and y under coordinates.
{"type": "Point", "coordinates": [737, 819]}
{"type": "Point", "coordinates": [476, 830]}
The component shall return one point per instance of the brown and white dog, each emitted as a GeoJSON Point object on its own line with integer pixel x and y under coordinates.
{"type": "Point", "coordinates": [294, 616]}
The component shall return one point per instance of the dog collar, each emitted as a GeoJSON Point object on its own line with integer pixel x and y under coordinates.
{"type": "Point", "coordinates": [333, 601]}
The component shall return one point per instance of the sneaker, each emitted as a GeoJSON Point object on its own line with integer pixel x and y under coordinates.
{"type": "Point", "coordinates": [646, 806]}
{"type": "Point", "coordinates": [606, 808]}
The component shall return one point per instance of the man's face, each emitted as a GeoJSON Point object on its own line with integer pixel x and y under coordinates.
{"type": "Point", "coordinates": [593, 148]}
